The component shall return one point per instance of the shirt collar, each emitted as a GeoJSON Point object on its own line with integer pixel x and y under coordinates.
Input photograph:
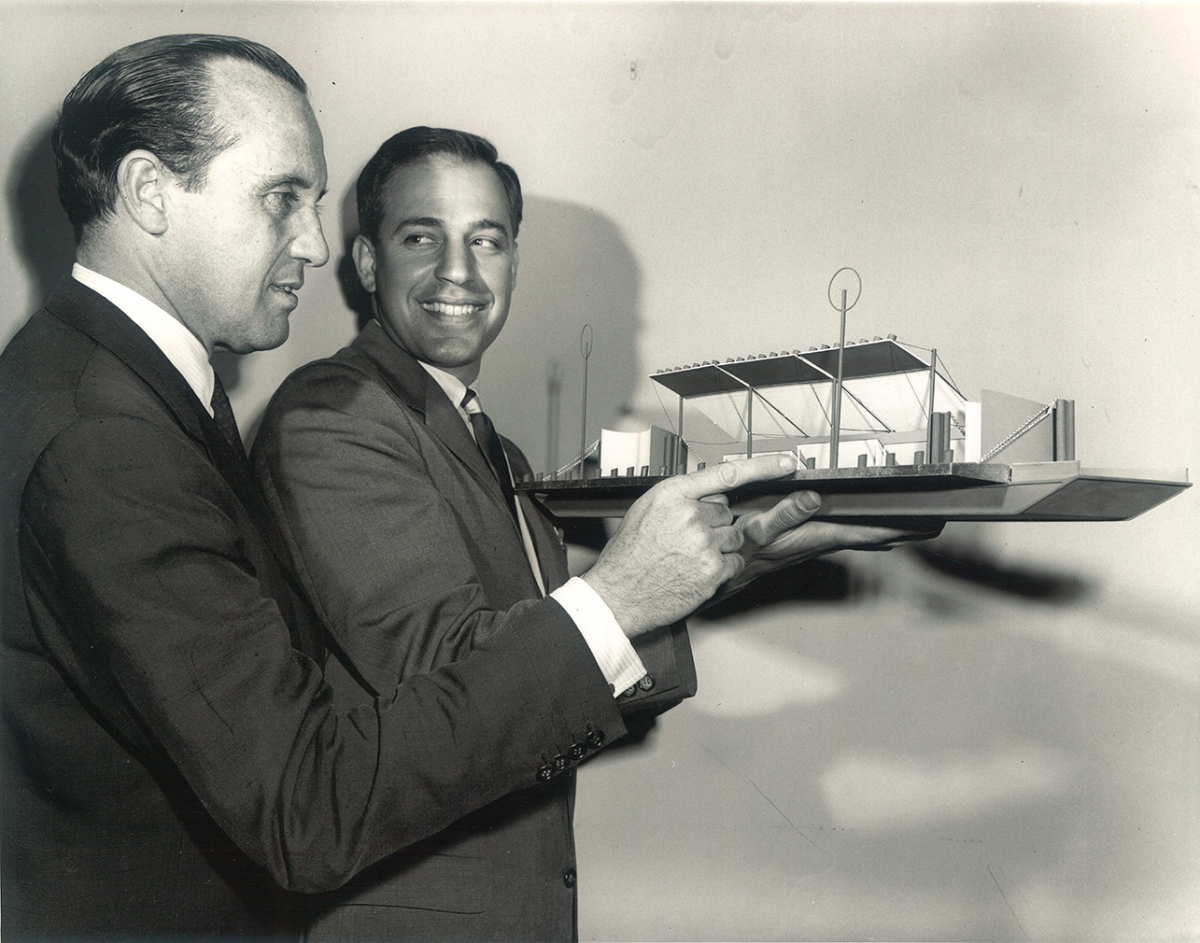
{"type": "Point", "coordinates": [178, 344]}
{"type": "Point", "coordinates": [452, 386]}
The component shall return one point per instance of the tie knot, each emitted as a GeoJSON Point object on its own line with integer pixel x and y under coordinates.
{"type": "Point", "coordinates": [470, 403]}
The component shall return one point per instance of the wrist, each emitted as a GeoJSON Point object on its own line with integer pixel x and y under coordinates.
{"type": "Point", "coordinates": [610, 594]}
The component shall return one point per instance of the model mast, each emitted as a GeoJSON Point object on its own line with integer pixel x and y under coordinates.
{"type": "Point", "coordinates": [835, 423]}
{"type": "Point", "coordinates": [585, 350]}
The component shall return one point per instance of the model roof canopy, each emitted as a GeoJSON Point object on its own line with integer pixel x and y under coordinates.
{"type": "Point", "coordinates": [870, 359]}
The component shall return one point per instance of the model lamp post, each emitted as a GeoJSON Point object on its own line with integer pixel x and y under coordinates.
{"type": "Point", "coordinates": [835, 422]}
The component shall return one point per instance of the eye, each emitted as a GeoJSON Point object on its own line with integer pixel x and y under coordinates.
{"type": "Point", "coordinates": [283, 202]}
{"type": "Point", "coordinates": [418, 239]}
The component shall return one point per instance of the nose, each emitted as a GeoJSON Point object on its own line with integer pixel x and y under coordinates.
{"type": "Point", "coordinates": [309, 245]}
{"type": "Point", "coordinates": [456, 263]}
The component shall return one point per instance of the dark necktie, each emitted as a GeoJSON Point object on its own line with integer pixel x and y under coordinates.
{"type": "Point", "coordinates": [492, 449]}
{"type": "Point", "coordinates": [223, 414]}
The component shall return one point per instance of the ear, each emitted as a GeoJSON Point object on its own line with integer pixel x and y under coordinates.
{"type": "Point", "coordinates": [141, 184]}
{"type": "Point", "coordinates": [364, 261]}
{"type": "Point", "coordinates": [516, 257]}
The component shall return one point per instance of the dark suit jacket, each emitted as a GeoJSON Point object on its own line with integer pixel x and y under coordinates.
{"type": "Point", "coordinates": [405, 544]}
{"type": "Point", "coordinates": [169, 742]}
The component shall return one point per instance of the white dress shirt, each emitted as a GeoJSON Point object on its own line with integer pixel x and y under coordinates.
{"type": "Point", "coordinates": [610, 646]}
{"type": "Point", "coordinates": [178, 344]}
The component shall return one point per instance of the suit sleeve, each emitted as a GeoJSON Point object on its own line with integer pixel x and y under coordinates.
{"type": "Point", "coordinates": [133, 552]}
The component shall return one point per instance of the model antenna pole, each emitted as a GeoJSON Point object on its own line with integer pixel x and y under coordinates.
{"type": "Point", "coordinates": [678, 465]}
{"type": "Point", "coordinates": [930, 458]}
{"type": "Point", "coordinates": [585, 349]}
{"type": "Point", "coordinates": [553, 407]}
{"type": "Point", "coordinates": [836, 420]}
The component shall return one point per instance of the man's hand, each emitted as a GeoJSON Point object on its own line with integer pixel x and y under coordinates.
{"type": "Point", "coordinates": [678, 543]}
{"type": "Point", "coordinates": [783, 535]}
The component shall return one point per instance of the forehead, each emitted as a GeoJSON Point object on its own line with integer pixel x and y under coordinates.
{"type": "Point", "coordinates": [446, 189]}
{"type": "Point", "coordinates": [276, 131]}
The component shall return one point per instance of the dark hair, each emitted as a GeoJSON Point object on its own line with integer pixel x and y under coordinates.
{"type": "Point", "coordinates": [419, 143]}
{"type": "Point", "coordinates": [156, 95]}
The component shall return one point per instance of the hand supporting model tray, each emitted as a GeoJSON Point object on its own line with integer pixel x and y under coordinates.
{"type": "Point", "coordinates": [1031, 491]}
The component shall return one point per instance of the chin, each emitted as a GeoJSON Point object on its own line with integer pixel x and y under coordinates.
{"type": "Point", "coordinates": [274, 337]}
{"type": "Point", "coordinates": [264, 342]}
{"type": "Point", "coordinates": [274, 341]}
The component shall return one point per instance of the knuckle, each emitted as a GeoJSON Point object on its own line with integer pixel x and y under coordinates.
{"type": "Point", "coordinates": [664, 489]}
{"type": "Point", "coordinates": [791, 515]}
{"type": "Point", "coordinates": [727, 474]}
{"type": "Point", "coordinates": [754, 535]}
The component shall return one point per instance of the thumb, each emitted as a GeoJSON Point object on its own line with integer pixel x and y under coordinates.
{"type": "Point", "coordinates": [766, 526]}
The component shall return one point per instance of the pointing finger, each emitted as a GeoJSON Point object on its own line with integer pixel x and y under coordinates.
{"type": "Point", "coordinates": [729, 475]}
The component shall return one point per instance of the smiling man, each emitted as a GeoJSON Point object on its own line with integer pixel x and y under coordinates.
{"type": "Point", "coordinates": [446, 261]}
{"type": "Point", "coordinates": [395, 495]}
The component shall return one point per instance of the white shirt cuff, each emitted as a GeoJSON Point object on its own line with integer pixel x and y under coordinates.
{"type": "Point", "coordinates": [610, 646]}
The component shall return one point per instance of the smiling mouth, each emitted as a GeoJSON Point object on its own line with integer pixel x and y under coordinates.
{"type": "Point", "coordinates": [450, 310]}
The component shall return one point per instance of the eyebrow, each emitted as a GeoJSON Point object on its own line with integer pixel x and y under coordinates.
{"type": "Point", "coordinates": [292, 180]}
{"type": "Point", "coordinates": [434, 221]}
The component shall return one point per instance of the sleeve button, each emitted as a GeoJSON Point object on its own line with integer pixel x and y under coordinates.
{"type": "Point", "coordinates": [560, 763]}
{"type": "Point", "coordinates": [595, 739]}
{"type": "Point", "coordinates": [545, 773]}
{"type": "Point", "coordinates": [569, 877]}
{"type": "Point", "coordinates": [647, 683]}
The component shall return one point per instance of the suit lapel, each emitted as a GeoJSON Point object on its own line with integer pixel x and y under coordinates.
{"type": "Point", "coordinates": [93, 314]}
{"type": "Point", "coordinates": [421, 393]}
{"type": "Point", "coordinates": [105, 323]}
{"type": "Point", "coordinates": [96, 316]}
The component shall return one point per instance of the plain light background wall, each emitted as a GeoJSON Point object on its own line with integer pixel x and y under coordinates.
{"type": "Point", "coordinates": [1018, 185]}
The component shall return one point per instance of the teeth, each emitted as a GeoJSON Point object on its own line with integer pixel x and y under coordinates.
{"type": "Point", "coordinates": [458, 311]}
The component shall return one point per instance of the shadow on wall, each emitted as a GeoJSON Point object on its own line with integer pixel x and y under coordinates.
{"type": "Point", "coordinates": [356, 297]}
{"type": "Point", "coordinates": [41, 234]}
{"type": "Point", "coordinates": [576, 269]}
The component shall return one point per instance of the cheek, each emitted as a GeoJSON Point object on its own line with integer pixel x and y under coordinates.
{"type": "Point", "coordinates": [496, 325]}
{"type": "Point", "coordinates": [395, 282]}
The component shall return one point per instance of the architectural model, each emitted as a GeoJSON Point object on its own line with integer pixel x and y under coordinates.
{"type": "Point", "coordinates": [879, 430]}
